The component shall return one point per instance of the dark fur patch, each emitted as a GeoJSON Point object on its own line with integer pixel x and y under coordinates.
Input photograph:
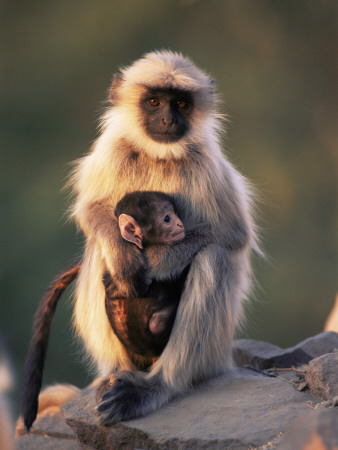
{"type": "Point", "coordinates": [38, 345]}
{"type": "Point", "coordinates": [129, 318]}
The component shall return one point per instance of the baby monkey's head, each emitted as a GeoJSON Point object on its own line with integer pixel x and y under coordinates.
{"type": "Point", "coordinates": [149, 217]}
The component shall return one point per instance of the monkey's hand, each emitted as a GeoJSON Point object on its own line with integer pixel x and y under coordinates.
{"type": "Point", "coordinates": [169, 260]}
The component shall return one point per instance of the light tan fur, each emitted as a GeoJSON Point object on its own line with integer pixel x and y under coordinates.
{"type": "Point", "coordinates": [209, 190]}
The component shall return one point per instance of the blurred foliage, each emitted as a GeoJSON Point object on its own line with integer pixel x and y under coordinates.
{"type": "Point", "coordinates": [277, 69]}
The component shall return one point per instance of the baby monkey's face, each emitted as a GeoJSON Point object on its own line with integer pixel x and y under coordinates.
{"type": "Point", "coordinates": [158, 224]}
{"type": "Point", "coordinates": [164, 226]}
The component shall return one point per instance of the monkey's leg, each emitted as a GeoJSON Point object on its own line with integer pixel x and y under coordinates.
{"type": "Point", "coordinates": [199, 345]}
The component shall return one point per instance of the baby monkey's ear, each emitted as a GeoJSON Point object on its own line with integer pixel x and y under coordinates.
{"type": "Point", "coordinates": [130, 230]}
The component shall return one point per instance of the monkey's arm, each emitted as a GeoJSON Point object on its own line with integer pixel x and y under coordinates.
{"type": "Point", "coordinates": [125, 262]}
{"type": "Point", "coordinates": [168, 261]}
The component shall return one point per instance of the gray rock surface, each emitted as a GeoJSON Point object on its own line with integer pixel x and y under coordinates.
{"type": "Point", "coordinates": [262, 355]}
{"type": "Point", "coordinates": [245, 409]}
{"type": "Point", "coordinates": [49, 432]}
{"type": "Point", "coordinates": [322, 376]}
{"type": "Point", "coordinates": [241, 410]}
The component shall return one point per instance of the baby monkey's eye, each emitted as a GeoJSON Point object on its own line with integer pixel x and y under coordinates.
{"type": "Point", "coordinates": [167, 219]}
{"type": "Point", "coordinates": [181, 103]}
{"type": "Point", "coordinates": [154, 101]}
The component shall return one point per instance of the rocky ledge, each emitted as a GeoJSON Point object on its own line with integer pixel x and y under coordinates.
{"type": "Point", "coordinates": [274, 398]}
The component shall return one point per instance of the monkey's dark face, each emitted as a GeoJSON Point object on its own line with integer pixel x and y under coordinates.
{"type": "Point", "coordinates": [166, 114]}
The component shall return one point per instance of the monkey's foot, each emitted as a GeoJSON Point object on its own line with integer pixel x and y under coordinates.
{"type": "Point", "coordinates": [132, 395]}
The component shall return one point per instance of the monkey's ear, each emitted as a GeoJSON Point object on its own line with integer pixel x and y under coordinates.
{"type": "Point", "coordinates": [130, 230]}
{"type": "Point", "coordinates": [117, 80]}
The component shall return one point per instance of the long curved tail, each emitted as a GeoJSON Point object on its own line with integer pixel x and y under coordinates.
{"type": "Point", "coordinates": [38, 345]}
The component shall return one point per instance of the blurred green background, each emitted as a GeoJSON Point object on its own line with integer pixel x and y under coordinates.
{"type": "Point", "coordinates": [276, 66]}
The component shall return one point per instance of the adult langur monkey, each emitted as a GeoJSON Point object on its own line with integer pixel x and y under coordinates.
{"type": "Point", "coordinates": [161, 133]}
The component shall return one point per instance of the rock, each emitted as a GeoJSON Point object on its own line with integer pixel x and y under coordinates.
{"type": "Point", "coordinates": [322, 376]}
{"type": "Point", "coordinates": [36, 441]}
{"type": "Point", "coordinates": [325, 342]}
{"type": "Point", "coordinates": [262, 355]}
{"type": "Point", "coordinates": [49, 432]}
{"type": "Point", "coordinates": [237, 411]}
{"type": "Point", "coordinates": [242, 409]}
{"type": "Point", "coordinates": [80, 416]}
{"type": "Point", "coordinates": [247, 352]}
{"type": "Point", "coordinates": [317, 430]}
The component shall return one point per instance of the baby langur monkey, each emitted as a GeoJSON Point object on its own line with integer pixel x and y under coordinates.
{"type": "Point", "coordinates": [143, 324]}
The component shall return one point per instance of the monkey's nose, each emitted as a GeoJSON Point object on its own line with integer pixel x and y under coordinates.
{"type": "Point", "coordinates": [168, 121]}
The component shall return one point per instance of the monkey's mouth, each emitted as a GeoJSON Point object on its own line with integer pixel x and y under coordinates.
{"type": "Point", "coordinates": [178, 235]}
{"type": "Point", "coordinates": [167, 137]}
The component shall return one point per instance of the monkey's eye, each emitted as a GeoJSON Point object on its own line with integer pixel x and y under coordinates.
{"type": "Point", "coordinates": [154, 101]}
{"type": "Point", "coordinates": [167, 219]}
{"type": "Point", "coordinates": [181, 103]}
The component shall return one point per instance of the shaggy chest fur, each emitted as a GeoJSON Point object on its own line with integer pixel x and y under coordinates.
{"type": "Point", "coordinates": [138, 171]}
